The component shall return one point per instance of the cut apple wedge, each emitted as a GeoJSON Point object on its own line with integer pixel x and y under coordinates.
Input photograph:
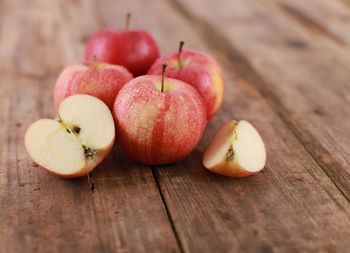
{"type": "Point", "coordinates": [77, 141]}
{"type": "Point", "coordinates": [236, 150]}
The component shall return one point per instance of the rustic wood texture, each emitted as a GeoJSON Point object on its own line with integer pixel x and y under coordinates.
{"type": "Point", "coordinates": [286, 69]}
{"type": "Point", "coordinates": [300, 67]}
{"type": "Point", "coordinates": [119, 207]}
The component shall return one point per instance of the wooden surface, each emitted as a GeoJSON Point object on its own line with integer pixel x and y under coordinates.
{"type": "Point", "coordinates": [287, 70]}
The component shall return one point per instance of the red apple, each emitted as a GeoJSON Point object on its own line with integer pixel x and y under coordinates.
{"type": "Point", "coordinates": [198, 69]}
{"type": "Point", "coordinates": [101, 80]}
{"type": "Point", "coordinates": [159, 120]}
{"type": "Point", "coordinates": [134, 49]}
{"type": "Point", "coordinates": [77, 141]}
{"type": "Point", "coordinates": [236, 150]}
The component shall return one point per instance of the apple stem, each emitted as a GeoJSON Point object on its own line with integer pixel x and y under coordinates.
{"type": "Point", "coordinates": [179, 53]}
{"type": "Point", "coordinates": [95, 62]}
{"type": "Point", "coordinates": [127, 21]}
{"type": "Point", "coordinates": [163, 74]}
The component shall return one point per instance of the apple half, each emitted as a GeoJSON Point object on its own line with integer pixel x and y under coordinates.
{"type": "Point", "coordinates": [77, 141]}
{"type": "Point", "coordinates": [236, 150]}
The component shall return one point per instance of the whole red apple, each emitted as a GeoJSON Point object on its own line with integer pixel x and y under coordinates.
{"type": "Point", "coordinates": [101, 80]}
{"type": "Point", "coordinates": [158, 120]}
{"type": "Point", "coordinates": [198, 69]}
{"type": "Point", "coordinates": [134, 49]}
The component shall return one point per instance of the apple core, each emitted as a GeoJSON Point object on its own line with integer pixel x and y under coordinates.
{"type": "Point", "coordinates": [76, 141]}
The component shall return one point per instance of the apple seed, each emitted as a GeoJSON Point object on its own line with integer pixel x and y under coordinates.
{"type": "Point", "coordinates": [76, 129]}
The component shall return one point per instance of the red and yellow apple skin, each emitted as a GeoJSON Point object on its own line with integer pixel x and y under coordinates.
{"type": "Point", "coordinates": [134, 49]}
{"type": "Point", "coordinates": [201, 71]}
{"type": "Point", "coordinates": [232, 170]}
{"type": "Point", "coordinates": [100, 80]}
{"type": "Point", "coordinates": [156, 127]}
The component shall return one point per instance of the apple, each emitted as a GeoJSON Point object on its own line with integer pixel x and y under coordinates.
{"type": "Point", "coordinates": [236, 150]}
{"type": "Point", "coordinates": [158, 120]}
{"type": "Point", "coordinates": [198, 69]}
{"type": "Point", "coordinates": [101, 80]}
{"type": "Point", "coordinates": [134, 49]}
{"type": "Point", "coordinates": [77, 141]}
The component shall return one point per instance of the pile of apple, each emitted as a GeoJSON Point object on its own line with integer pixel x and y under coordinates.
{"type": "Point", "coordinates": [159, 116]}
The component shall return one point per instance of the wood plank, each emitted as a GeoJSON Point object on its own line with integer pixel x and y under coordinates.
{"type": "Point", "coordinates": [303, 77]}
{"type": "Point", "coordinates": [292, 205]}
{"type": "Point", "coordinates": [331, 17]}
{"type": "Point", "coordinates": [119, 208]}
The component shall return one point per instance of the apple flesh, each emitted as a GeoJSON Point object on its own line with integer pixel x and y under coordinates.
{"type": "Point", "coordinates": [156, 127]}
{"type": "Point", "coordinates": [77, 141]}
{"type": "Point", "coordinates": [101, 80]}
{"type": "Point", "coordinates": [236, 150]}
{"type": "Point", "coordinates": [134, 49]}
{"type": "Point", "coordinates": [199, 70]}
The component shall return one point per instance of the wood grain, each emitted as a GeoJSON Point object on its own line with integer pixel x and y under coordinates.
{"type": "Point", "coordinates": [303, 77]}
{"type": "Point", "coordinates": [118, 208]}
{"type": "Point", "coordinates": [285, 71]}
{"type": "Point", "coordinates": [332, 17]}
{"type": "Point", "coordinates": [291, 206]}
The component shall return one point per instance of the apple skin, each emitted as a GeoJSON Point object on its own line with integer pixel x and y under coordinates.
{"type": "Point", "coordinates": [100, 80]}
{"type": "Point", "coordinates": [134, 49]}
{"type": "Point", "coordinates": [91, 164]}
{"type": "Point", "coordinates": [232, 170]}
{"type": "Point", "coordinates": [201, 71]}
{"type": "Point", "coordinates": [156, 127]}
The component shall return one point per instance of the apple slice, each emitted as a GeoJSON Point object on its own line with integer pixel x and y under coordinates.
{"type": "Point", "coordinates": [77, 141]}
{"type": "Point", "coordinates": [236, 150]}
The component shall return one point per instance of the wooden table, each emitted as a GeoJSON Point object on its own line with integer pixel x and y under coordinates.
{"type": "Point", "coordinates": [287, 70]}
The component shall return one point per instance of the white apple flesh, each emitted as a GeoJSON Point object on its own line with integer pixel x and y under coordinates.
{"type": "Point", "coordinates": [236, 150]}
{"type": "Point", "coordinates": [77, 141]}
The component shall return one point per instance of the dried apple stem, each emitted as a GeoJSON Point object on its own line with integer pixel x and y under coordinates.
{"type": "Point", "coordinates": [127, 21]}
{"type": "Point", "coordinates": [163, 74]}
{"type": "Point", "coordinates": [179, 53]}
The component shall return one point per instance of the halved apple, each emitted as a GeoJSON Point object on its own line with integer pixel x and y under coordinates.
{"type": "Point", "coordinates": [75, 142]}
{"type": "Point", "coordinates": [236, 150]}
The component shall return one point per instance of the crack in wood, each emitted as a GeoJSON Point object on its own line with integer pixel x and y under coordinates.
{"type": "Point", "coordinates": [171, 220]}
{"type": "Point", "coordinates": [297, 44]}
{"type": "Point", "coordinates": [91, 183]}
